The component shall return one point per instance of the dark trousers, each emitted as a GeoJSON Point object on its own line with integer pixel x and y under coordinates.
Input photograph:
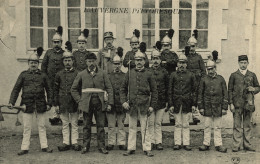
{"type": "Point", "coordinates": [96, 109]}
{"type": "Point", "coordinates": [239, 135]}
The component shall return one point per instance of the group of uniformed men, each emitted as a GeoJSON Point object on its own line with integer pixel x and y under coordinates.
{"type": "Point", "coordinates": [88, 84]}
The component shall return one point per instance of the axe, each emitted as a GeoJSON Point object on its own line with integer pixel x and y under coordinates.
{"type": "Point", "coordinates": [19, 108]}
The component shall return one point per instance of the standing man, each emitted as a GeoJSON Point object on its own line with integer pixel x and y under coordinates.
{"type": "Point", "coordinates": [51, 64]}
{"type": "Point", "coordinates": [117, 114]}
{"type": "Point", "coordinates": [213, 104]}
{"type": "Point", "coordinates": [161, 78]}
{"type": "Point", "coordinates": [80, 56]}
{"type": "Point", "coordinates": [130, 55]}
{"type": "Point", "coordinates": [33, 83]}
{"type": "Point", "coordinates": [88, 91]}
{"type": "Point", "coordinates": [65, 104]}
{"type": "Point", "coordinates": [242, 87]}
{"type": "Point", "coordinates": [107, 54]}
{"type": "Point", "coordinates": [138, 95]}
{"type": "Point", "coordinates": [181, 102]}
{"type": "Point", "coordinates": [195, 62]}
{"type": "Point", "coordinates": [169, 58]}
{"type": "Point", "coordinates": [81, 53]}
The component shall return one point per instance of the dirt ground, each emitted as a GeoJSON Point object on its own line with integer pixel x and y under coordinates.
{"type": "Point", "coordinates": [10, 145]}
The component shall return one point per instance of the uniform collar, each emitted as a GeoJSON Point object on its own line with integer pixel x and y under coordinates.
{"type": "Point", "coordinates": [140, 70]}
{"type": "Point", "coordinates": [214, 76]}
{"type": "Point", "coordinates": [95, 70]}
{"type": "Point", "coordinates": [117, 72]}
{"type": "Point", "coordinates": [59, 51]}
{"type": "Point", "coordinates": [178, 71]}
{"type": "Point", "coordinates": [156, 68]}
{"type": "Point", "coordinates": [38, 71]}
{"type": "Point", "coordinates": [69, 70]}
{"type": "Point", "coordinates": [111, 48]}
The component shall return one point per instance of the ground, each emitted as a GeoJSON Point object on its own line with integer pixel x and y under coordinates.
{"type": "Point", "coordinates": [10, 145]}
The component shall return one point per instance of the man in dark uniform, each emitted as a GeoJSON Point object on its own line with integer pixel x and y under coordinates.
{"type": "Point", "coordinates": [106, 55]}
{"type": "Point", "coordinates": [169, 58]}
{"type": "Point", "coordinates": [79, 58]}
{"type": "Point", "coordinates": [117, 114]}
{"type": "Point", "coordinates": [181, 102]}
{"type": "Point", "coordinates": [212, 104]}
{"type": "Point", "coordinates": [81, 53]}
{"type": "Point", "coordinates": [33, 83]}
{"type": "Point", "coordinates": [88, 91]}
{"type": "Point", "coordinates": [130, 55]}
{"type": "Point", "coordinates": [242, 87]}
{"type": "Point", "coordinates": [65, 104]}
{"type": "Point", "coordinates": [161, 77]}
{"type": "Point", "coordinates": [138, 95]}
{"type": "Point", "coordinates": [195, 62]}
{"type": "Point", "coordinates": [52, 63]}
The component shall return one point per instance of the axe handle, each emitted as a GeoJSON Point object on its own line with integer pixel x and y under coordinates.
{"type": "Point", "coordinates": [19, 108]}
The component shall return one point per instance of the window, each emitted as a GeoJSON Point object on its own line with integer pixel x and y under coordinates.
{"type": "Point", "coordinates": [193, 14]}
{"type": "Point", "coordinates": [148, 24]}
{"type": "Point", "coordinates": [165, 19]}
{"type": "Point", "coordinates": [36, 23]}
{"type": "Point", "coordinates": [53, 12]}
{"type": "Point", "coordinates": [78, 21]}
{"type": "Point", "coordinates": [47, 15]}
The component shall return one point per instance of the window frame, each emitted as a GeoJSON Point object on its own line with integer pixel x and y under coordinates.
{"type": "Point", "coordinates": [175, 24]}
{"type": "Point", "coordinates": [63, 22]}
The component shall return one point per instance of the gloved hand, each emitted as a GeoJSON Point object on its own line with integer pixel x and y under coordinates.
{"type": "Point", "coordinates": [202, 112]}
{"type": "Point", "coordinates": [126, 106]}
{"type": "Point", "coordinates": [251, 89]}
{"type": "Point", "coordinates": [57, 109]}
{"type": "Point", "coordinates": [109, 108]}
{"type": "Point", "coordinates": [232, 108]}
{"type": "Point", "coordinates": [224, 112]}
{"type": "Point", "coordinates": [10, 106]}
{"type": "Point", "coordinates": [150, 111]}
{"type": "Point", "coordinates": [193, 109]}
{"type": "Point", "coordinates": [171, 111]}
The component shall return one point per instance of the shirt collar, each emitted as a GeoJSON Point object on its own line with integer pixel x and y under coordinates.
{"type": "Point", "coordinates": [243, 71]}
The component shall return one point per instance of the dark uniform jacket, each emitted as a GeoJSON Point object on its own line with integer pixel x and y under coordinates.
{"type": "Point", "coordinates": [162, 80]}
{"type": "Point", "coordinates": [62, 95]}
{"type": "Point", "coordinates": [33, 85]}
{"type": "Point", "coordinates": [141, 92]}
{"type": "Point", "coordinates": [237, 85]}
{"type": "Point", "coordinates": [106, 63]}
{"type": "Point", "coordinates": [84, 81]}
{"type": "Point", "coordinates": [181, 91]}
{"type": "Point", "coordinates": [196, 65]}
{"type": "Point", "coordinates": [52, 63]}
{"type": "Point", "coordinates": [80, 57]}
{"type": "Point", "coordinates": [116, 79]}
{"type": "Point", "coordinates": [169, 61]}
{"type": "Point", "coordinates": [131, 55]}
{"type": "Point", "coordinates": [213, 95]}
